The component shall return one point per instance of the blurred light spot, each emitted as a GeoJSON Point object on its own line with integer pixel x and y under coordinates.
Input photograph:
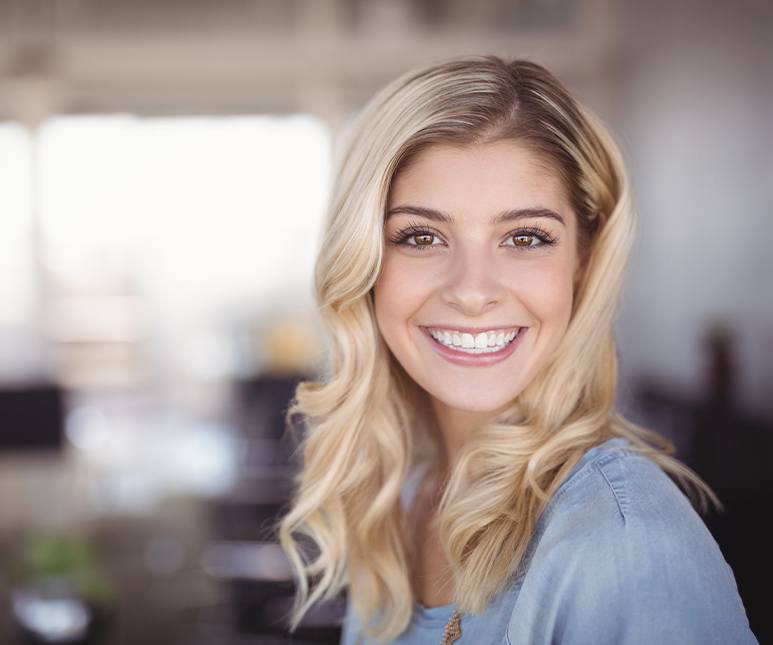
{"type": "Point", "coordinates": [54, 620]}
{"type": "Point", "coordinates": [86, 428]}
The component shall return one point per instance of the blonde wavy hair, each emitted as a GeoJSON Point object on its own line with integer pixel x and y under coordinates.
{"type": "Point", "coordinates": [366, 421]}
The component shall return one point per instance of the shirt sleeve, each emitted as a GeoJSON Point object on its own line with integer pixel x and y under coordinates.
{"type": "Point", "coordinates": [631, 563]}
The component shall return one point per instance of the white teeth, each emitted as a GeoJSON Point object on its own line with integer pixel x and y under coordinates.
{"type": "Point", "coordinates": [484, 342]}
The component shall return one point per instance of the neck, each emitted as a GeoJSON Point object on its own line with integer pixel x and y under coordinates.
{"type": "Point", "coordinates": [453, 428]}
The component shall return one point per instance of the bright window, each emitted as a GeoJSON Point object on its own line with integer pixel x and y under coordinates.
{"type": "Point", "coordinates": [176, 229]}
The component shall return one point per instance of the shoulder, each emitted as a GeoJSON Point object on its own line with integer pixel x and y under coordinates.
{"type": "Point", "coordinates": [620, 493]}
{"type": "Point", "coordinates": [621, 556]}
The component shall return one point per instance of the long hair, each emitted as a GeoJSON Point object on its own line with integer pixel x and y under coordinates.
{"type": "Point", "coordinates": [365, 420]}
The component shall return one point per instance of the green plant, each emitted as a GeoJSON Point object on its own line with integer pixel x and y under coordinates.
{"type": "Point", "coordinates": [69, 558]}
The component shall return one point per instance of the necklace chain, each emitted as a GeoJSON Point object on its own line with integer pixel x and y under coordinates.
{"type": "Point", "coordinates": [453, 629]}
{"type": "Point", "coordinates": [451, 632]}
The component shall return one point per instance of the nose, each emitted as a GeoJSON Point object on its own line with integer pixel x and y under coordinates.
{"type": "Point", "coordinates": [473, 283]}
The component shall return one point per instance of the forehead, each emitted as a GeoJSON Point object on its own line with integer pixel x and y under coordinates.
{"type": "Point", "coordinates": [473, 180]}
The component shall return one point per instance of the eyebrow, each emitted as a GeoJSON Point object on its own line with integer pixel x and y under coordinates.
{"type": "Point", "coordinates": [505, 216]}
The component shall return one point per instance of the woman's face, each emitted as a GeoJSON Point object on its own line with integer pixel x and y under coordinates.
{"type": "Point", "coordinates": [492, 252]}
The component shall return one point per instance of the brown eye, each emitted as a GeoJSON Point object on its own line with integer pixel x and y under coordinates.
{"type": "Point", "coordinates": [530, 239]}
{"type": "Point", "coordinates": [523, 240]}
{"type": "Point", "coordinates": [415, 238]}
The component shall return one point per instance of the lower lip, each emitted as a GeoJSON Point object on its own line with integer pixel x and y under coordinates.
{"type": "Point", "coordinates": [462, 358]}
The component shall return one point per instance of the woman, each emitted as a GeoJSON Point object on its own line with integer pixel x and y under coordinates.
{"type": "Point", "coordinates": [466, 477]}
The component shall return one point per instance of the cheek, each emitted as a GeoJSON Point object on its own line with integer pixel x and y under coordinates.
{"type": "Point", "coordinates": [399, 291]}
{"type": "Point", "coordinates": [547, 291]}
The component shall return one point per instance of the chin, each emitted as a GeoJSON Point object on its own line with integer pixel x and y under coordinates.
{"type": "Point", "coordinates": [467, 402]}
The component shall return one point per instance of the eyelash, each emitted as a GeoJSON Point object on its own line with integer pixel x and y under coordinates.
{"type": "Point", "coordinates": [402, 236]}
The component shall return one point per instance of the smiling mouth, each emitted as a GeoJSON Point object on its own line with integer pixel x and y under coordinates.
{"type": "Point", "coordinates": [466, 343]}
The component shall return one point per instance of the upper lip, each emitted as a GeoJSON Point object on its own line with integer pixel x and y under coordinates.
{"type": "Point", "coordinates": [475, 330]}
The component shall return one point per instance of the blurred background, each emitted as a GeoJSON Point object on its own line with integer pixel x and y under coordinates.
{"type": "Point", "coordinates": [164, 168]}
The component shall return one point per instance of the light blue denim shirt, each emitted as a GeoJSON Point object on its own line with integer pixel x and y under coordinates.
{"type": "Point", "coordinates": [619, 557]}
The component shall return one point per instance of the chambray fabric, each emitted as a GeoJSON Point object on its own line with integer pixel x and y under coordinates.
{"type": "Point", "coordinates": [619, 557]}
